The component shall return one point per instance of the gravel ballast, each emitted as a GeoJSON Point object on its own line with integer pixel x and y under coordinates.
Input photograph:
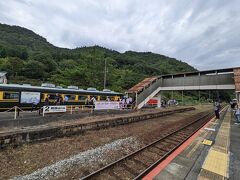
{"type": "Point", "coordinates": [85, 158]}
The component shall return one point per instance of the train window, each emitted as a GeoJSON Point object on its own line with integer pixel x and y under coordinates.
{"type": "Point", "coordinates": [81, 98]}
{"type": "Point", "coordinates": [10, 95]}
{"type": "Point", "coordinates": [52, 96]}
{"type": "Point", "coordinates": [70, 97]}
{"type": "Point", "coordinates": [42, 96]}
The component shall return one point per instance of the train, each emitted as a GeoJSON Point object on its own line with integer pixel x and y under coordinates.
{"type": "Point", "coordinates": [13, 95]}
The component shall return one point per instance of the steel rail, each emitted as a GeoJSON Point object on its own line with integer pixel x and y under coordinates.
{"type": "Point", "coordinates": [143, 148]}
{"type": "Point", "coordinates": [146, 171]}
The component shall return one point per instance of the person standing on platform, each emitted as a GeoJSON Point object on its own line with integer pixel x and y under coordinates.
{"type": "Point", "coordinates": [231, 105]}
{"type": "Point", "coordinates": [124, 102]}
{"type": "Point", "coordinates": [217, 108]}
{"type": "Point", "coordinates": [237, 115]}
{"type": "Point", "coordinates": [61, 100]}
{"type": "Point", "coordinates": [57, 99]}
{"type": "Point", "coordinates": [130, 100]}
{"type": "Point", "coordinates": [93, 101]}
{"type": "Point", "coordinates": [127, 102]}
{"type": "Point", "coordinates": [46, 101]}
{"type": "Point", "coordinates": [87, 102]}
{"type": "Point", "coordinates": [34, 105]}
{"type": "Point", "coordinates": [65, 100]}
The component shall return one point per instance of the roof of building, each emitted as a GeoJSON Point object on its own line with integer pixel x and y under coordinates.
{"type": "Point", "coordinates": [141, 85]}
{"type": "Point", "coordinates": [25, 87]}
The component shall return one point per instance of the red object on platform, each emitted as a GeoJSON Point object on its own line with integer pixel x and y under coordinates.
{"type": "Point", "coordinates": [152, 102]}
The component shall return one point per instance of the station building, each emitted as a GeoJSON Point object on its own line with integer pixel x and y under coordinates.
{"type": "Point", "coordinates": [3, 77]}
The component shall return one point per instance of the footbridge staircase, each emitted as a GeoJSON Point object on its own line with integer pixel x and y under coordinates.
{"type": "Point", "coordinates": [219, 79]}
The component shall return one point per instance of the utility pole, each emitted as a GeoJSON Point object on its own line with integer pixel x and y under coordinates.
{"type": "Point", "coordinates": [199, 97]}
{"type": "Point", "coordinates": [105, 74]}
{"type": "Point", "coordinates": [182, 96]}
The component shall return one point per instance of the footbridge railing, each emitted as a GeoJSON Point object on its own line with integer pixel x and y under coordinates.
{"type": "Point", "coordinates": [148, 93]}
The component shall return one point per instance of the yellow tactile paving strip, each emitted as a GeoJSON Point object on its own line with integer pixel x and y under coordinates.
{"type": "Point", "coordinates": [217, 161]}
{"type": "Point", "coordinates": [221, 144]}
{"type": "Point", "coordinates": [207, 175]}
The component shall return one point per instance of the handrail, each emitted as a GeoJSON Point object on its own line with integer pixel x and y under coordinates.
{"type": "Point", "coordinates": [13, 108]}
{"type": "Point", "coordinates": [148, 91]}
{"type": "Point", "coordinates": [69, 108]}
{"type": "Point", "coordinates": [16, 111]}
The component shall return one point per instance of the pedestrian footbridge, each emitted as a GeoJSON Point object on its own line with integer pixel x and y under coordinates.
{"type": "Point", "coordinates": [219, 79]}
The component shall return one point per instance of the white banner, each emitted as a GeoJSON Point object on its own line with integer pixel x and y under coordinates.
{"type": "Point", "coordinates": [54, 109]}
{"type": "Point", "coordinates": [30, 97]}
{"type": "Point", "coordinates": [107, 105]}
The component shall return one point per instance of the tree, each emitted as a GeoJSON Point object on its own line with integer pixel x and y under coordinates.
{"type": "Point", "coordinates": [12, 65]}
{"type": "Point", "coordinates": [24, 55]}
{"type": "Point", "coordinates": [34, 69]}
{"type": "Point", "coordinates": [3, 52]}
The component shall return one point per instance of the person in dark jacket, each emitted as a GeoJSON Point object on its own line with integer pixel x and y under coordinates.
{"type": "Point", "coordinates": [46, 101]}
{"type": "Point", "coordinates": [217, 108]}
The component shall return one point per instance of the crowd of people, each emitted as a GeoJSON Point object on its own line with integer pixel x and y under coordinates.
{"type": "Point", "coordinates": [125, 102]}
{"type": "Point", "coordinates": [172, 102]}
{"type": "Point", "coordinates": [235, 107]}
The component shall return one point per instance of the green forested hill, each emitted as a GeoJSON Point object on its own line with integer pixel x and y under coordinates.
{"type": "Point", "coordinates": [29, 58]}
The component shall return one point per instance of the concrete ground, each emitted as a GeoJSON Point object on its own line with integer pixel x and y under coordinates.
{"type": "Point", "coordinates": [191, 163]}
{"type": "Point", "coordinates": [234, 172]}
{"type": "Point", "coordinates": [28, 118]}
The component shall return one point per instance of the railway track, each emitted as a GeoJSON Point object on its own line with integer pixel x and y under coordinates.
{"type": "Point", "coordinates": [137, 164]}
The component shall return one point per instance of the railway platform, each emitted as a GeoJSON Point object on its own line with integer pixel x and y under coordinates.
{"type": "Point", "coordinates": [211, 153]}
{"type": "Point", "coordinates": [16, 135]}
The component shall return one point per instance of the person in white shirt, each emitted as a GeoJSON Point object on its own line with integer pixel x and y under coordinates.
{"type": "Point", "coordinates": [93, 100]}
{"type": "Point", "coordinates": [128, 101]}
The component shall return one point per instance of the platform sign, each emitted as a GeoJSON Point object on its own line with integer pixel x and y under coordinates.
{"type": "Point", "coordinates": [54, 109]}
{"type": "Point", "coordinates": [106, 105]}
{"type": "Point", "coordinates": [30, 97]}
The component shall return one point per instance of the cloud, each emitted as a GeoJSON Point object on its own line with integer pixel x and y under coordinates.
{"type": "Point", "coordinates": [204, 34]}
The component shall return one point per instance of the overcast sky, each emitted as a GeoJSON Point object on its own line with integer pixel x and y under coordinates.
{"type": "Point", "coordinates": [203, 33]}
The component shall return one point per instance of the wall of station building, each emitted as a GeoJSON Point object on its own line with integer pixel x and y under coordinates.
{"type": "Point", "coordinates": [237, 82]}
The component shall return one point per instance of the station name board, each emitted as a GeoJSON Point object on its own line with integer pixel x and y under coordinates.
{"type": "Point", "coordinates": [106, 105]}
{"type": "Point", "coordinates": [54, 109]}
